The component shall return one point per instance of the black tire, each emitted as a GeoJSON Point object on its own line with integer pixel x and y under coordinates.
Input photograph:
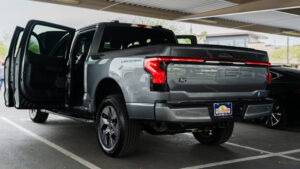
{"type": "Point", "coordinates": [117, 135]}
{"type": "Point", "coordinates": [218, 134]}
{"type": "Point", "coordinates": [278, 118]}
{"type": "Point", "coordinates": [38, 116]}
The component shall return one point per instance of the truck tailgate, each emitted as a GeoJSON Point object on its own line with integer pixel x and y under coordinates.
{"type": "Point", "coordinates": [192, 81]}
{"type": "Point", "coordinates": [225, 73]}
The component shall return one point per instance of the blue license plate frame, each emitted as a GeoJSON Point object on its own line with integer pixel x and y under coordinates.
{"type": "Point", "coordinates": [222, 109]}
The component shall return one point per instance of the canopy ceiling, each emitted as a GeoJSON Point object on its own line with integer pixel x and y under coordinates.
{"type": "Point", "coordinates": [268, 16]}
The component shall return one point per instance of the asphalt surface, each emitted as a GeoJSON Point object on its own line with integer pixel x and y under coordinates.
{"type": "Point", "coordinates": [64, 143]}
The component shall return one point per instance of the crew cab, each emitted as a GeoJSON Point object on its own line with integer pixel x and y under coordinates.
{"type": "Point", "coordinates": [126, 78]}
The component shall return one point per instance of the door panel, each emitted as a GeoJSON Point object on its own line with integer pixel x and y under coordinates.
{"type": "Point", "coordinates": [41, 65]}
{"type": "Point", "coordinates": [10, 66]}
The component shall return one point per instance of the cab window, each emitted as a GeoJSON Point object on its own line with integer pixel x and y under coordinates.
{"type": "Point", "coordinates": [122, 37]}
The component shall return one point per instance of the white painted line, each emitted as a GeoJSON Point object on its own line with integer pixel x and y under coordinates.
{"type": "Point", "coordinates": [267, 155]}
{"type": "Point", "coordinates": [247, 147]}
{"type": "Point", "coordinates": [230, 161]}
{"type": "Point", "coordinates": [289, 157]}
{"type": "Point", "coordinates": [240, 146]}
{"type": "Point", "coordinates": [290, 151]}
{"type": "Point", "coordinates": [53, 145]}
{"type": "Point", "coordinates": [281, 154]}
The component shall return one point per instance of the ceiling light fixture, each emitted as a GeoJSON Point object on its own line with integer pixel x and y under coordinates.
{"type": "Point", "coordinates": [292, 33]}
{"type": "Point", "coordinates": [74, 2]}
{"type": "Point", "coordinates": [208, 21]}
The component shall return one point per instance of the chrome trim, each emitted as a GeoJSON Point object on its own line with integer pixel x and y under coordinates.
{"type": "Point", "coordinates": [256, 111]}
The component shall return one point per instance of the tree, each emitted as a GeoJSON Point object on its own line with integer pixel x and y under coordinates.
{"type": "Point", "coordinates": [3, 50]}
{"type": "Point", "coordinates": [4, 41]}
{"type": "Point", "coordinates": [280, 54]}
{"type": "Point", "coordinates": [176, 28]}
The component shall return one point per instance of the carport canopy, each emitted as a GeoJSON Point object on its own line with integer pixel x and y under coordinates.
{"type": "Point", "coordinates": [280, 17]}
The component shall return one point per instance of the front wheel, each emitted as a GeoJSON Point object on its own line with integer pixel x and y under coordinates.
{"type": "Point", "coordinates": [117, 135]}
{"type": "Point", "coordinates": [216, 134]}
{"type": "Point", "coordinates": [37, 116]}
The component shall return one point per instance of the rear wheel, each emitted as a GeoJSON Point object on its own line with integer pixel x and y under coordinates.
{"type": "Point", "coordinates": [117, 135]}
{"type": "Point", "coordinates": [215, 135]}
{"type": "Point", "coordinates": [37, 116]}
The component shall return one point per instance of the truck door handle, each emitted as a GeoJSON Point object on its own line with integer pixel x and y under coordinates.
{"type": "Point", "coordinates": [97, 56]}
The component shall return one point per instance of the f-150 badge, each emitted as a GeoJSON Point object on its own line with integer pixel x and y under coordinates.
{"type": "Point", "coordinates": [182, 80]}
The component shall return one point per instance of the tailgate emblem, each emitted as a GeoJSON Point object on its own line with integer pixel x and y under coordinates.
{"type": "Point", "coordinates": [182, 80]}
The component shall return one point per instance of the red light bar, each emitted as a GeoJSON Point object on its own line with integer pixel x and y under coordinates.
{"type": "Point", "coordinates": [186, 60]}
{"type": "Point", "coordinates": [258, 63]}
{"type": "Point", "coordinates": [141, 25]}
{"type": "Point", "coordinates": [158, 74]}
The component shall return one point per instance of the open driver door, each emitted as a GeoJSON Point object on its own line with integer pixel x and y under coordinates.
{"type": "Point", "coordinates": [38, 73]}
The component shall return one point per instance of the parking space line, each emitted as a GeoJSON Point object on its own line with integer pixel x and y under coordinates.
{"type": "Point", "coordinates": [247, 147]}
{"type": "Point", "coordinates": [230, 161]}
{"type": "Point", "coordinates": [51, 144]}
{"type": "Point", "coordinates": [267, 154]}
{"type": "Point", "coordinates": [281, 154]}
{"type": "Point", "coordinates": [290, 151]}
{"type": "Point", "coordinates": [289, 157]}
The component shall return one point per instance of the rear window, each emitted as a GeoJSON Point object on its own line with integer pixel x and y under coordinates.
{"type": "Point", "coordinates": [121, 38]}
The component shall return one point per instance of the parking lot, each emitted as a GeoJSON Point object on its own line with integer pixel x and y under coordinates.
{"type": "Point", "coordinates": [64, 143]}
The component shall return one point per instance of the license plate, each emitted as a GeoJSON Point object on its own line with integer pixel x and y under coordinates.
{"type": "Point", "coordinates": [222, 109]}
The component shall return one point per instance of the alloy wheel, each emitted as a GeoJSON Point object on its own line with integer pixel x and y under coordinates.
{"type": "Point", "coordinates": [275, 118]}
{"type": "Point", "coordinates": [109, 128]}
{"type": "Point", "coordinates": [32, 113]}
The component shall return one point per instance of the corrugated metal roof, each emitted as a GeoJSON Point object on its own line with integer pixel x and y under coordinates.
{"type": "Point", "coordinates": [268, 18]}
{"type": "Point", "coordinates": [186, 6]}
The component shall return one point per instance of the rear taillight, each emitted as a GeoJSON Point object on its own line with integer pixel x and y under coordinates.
{"type": "Point", "coordinates": [270, 78]}
{"type": "Point", "coordinates": [153, 65]}
{"type": "Point", "coordinates": [156, 67]}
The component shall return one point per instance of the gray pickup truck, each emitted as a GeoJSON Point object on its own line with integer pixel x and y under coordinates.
{"type": "Point", "coordinates": [127, 78]}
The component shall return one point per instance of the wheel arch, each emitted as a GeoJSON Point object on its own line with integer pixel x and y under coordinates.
{"type": "Point", "coordinates": [105, 87]}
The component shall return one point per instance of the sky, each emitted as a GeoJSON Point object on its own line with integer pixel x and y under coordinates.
{"type": "Point", "coordinates": [19, 12]}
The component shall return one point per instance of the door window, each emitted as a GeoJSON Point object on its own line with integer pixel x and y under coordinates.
{"type": "Point", "coordinates": [184, 41]}
{"type": "Point", "coordinates": [34, 45]}
{"type": "Point", "coordinates": [47, 41]}
{"type": "Point", "coordinates": [82, 46]}
{"type": "Point", "coordinates": [17, 49]}
{"type": "Point", "coordinates": [79, 55]}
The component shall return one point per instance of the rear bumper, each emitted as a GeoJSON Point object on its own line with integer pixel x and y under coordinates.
{"type": "Point", "coordinates": [205, 113]}
{"type": "Point", "coordinates": [187, 115]}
